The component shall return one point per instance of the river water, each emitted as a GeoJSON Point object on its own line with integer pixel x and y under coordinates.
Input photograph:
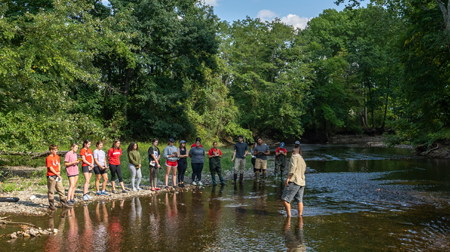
{"type": "Point", "coordinates": [361, 199]}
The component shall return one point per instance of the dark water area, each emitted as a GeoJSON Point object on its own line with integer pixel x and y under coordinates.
{"type": "Point", "coordinates": [364, 203]}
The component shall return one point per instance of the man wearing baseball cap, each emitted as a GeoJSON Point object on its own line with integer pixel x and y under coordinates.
{"type": "Point", "coordinates": [297, 145]}
{"type": "Point", "coordinates": [280, 160]}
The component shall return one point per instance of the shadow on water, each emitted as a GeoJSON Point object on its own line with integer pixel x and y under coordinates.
{"type": "Point", "coordinates": [352, 205]}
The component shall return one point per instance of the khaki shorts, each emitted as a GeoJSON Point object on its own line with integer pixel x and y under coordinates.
{"type": "Point", "coordinates": [260, 164]}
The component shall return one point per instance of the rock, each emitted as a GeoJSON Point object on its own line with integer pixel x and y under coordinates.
{"type": "Point", "coordinates": [26, 235]}
{"type": "Point", "coordinates": [33, 232]}
{"type": "Point", "coordinates": [32, 197]}
{"type": "Point", "coordinates": [13, 236]}
{"type": "Point", "coordinates": [55, 230]}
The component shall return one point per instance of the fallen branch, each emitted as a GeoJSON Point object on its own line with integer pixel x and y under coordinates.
{"type": "Point", "coordinates": [435, 148]}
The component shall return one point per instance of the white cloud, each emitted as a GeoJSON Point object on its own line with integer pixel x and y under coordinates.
{"type": "Point", "coordinates": [296, 21]}
{"type": "Point", "coordinates": [266, 15]}
{"type": "Point", "coordinates": [291, 19]}
{"type": "Point", "coordinates": [212, 2]}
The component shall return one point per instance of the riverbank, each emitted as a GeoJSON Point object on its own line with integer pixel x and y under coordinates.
{"type": "Point", "coordinates": [33, 198]}
{"type": "Point", "coordinates": [440, 149]}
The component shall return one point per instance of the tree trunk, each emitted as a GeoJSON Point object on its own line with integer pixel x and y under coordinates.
{"type": "Point", "coordinates": [366, 122]}
{"type": "Point", "coordinates": [126, 89]}
{"type": "Point", "coordinates": [386, 106]}
{"type": "Point", "coordinates": [370, 97]}
{"type": "Point", "coordinates": [314, 123]}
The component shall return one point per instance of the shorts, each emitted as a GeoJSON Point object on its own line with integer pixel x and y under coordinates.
{"type": "Point", "coordinates": [293, 191]}
{"type": "Point", "coordinates": [99, 171]}
{"type": "Point", "coordinates": [72, 176]}
{"type": "Point", "coordinates": [172, 163]}
{"type": "Point", "coordinates": [260, 164]}
{"type": "Point", "coordinates": [239, 165]}
{"type": "Point", "coordinates": [86, 169]}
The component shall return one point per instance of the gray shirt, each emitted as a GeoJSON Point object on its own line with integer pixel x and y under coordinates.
{"type": "Point", "coordinates": [100, 156]}
{"type": "Point", "coordinates": [197, 155]}
{"type": "Point", "coordinates": [240, 149]}
{"type": "Point", "coordinates": [169, 151]}
{"type": "Point", "coordinates": [262, 148]}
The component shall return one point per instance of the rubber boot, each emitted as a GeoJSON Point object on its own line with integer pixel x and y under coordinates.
{"type": "Point", "coordinates": [51, 205]}
{"type": "Point", "coordinates": [241, 178]}
{"type": "Point", "coordinates": [222, 181]}
{"type": "Point", "coordinates": [264, 174]}
{"type": "Point", "coordinates": [213, 178]}
{"type": "Point", "coordinates": [235, 178]}
{"type": "Point", "coordinates": [257, 176]}
{"type": "Point", "coordinates": [64, 204]}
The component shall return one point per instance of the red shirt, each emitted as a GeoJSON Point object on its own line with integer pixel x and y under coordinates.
{"type": "Point", "coordinates": [211, 152]}
{"type": "Point", "coordinates": [114, 156]}
{"type": "Point", "coordinates": [52, 162]}
{"type": "Point", "coordinates": [87, 155]}
{"type": "Point", "coordinates": [192, 146]}
{"type": "Point", "coordinates": [281, 149]}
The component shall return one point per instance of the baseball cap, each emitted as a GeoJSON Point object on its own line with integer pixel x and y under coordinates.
{"type": "Point", "coordinates": [282, 145]}
{"type": "Point", "coordinates": [182, 141]}
{"type": "Point", "coordinates": [297, 142]}
{"type": "Point", "coordinates": [171, 140]}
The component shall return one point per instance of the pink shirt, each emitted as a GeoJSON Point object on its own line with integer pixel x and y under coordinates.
{"type": "Point", "coordinates": [72, 170]}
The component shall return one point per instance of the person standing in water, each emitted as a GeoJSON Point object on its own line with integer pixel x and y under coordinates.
{"type": "Point", "coordinates": [197, 160]}
{"type": "Point", "coordinates": [214, 164]}
{"type": "Point", "coordinates": [153, 156]}
{"type": "Point", "coordinates": [114, 165]}
{"type": "Point", "coordinates": [252, 151]}
{"type": "Point", "coordinates": [280, 160]}
{"type": "Point", "coordinates": [100, 169]}
{"type": "Point", "coordinates": [261, 153]}
{"type": "Point", "coordinates": [134, 157]}
{"type": "Point", "coordinates": [182, 163]}
{"type": "Point", "coordinates": [87, 167]}
{"type": "Point", "coordinates": [295, 183]}
{"type": "Point", "coordinates": [171, 155]}
{"type": "Point", "coordinates": [240, 152]}
{"type": "Point", "coordinates": [71, 162]}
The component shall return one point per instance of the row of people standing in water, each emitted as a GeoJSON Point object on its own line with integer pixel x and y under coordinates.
{"type": "Point", "coordinates": [175, 160]}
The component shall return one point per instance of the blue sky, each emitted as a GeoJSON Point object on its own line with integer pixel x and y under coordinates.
{"type": "Point", "coordinates": [292, 12]}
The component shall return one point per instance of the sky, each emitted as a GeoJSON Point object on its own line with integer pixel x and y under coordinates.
{"type": "Point", "coordinates": [291, 12]}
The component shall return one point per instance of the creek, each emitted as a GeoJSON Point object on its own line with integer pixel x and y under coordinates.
{"type": "Point", "coordinates": [361, 199]}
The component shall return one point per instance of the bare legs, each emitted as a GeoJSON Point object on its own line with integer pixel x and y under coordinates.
{"type": "Point", "coordinates": [97, 181]}
{"type": "Point", "coordinates": [72, 183]}
{"type": "Point", "coordinates": [87, 178]}
{"type": "Point", "coordinates": [287, 205]}
{"type": "Point", "coordinates": [174, 175]}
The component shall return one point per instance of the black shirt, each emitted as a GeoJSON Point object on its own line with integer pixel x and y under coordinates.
{"type": "Point", "coordinates": [155, 152]}
{"type": "Point", "coordinates": [240, 149]}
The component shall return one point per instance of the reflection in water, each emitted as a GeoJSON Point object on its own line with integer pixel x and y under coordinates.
{"type": "Point", "coordinates": [388, 204]}
{"type": "Point", "coordinates": [101, 230]}
{"type": "Point", "coordinates": [294, 240]}
{"type": "Point", "coordinates": [115, 227]}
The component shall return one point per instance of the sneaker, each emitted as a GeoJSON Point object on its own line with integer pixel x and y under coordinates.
{"type": "Point", "coordinates": [134, 189]}
{"type": "Point", "coordinates": [194, 183]}
{"type": "Point", "coordinates": [124, 191]}
{"type": "Point", "coordinates": [99, 194]}
{"type": "Point", "coordinates": [104, 193]}
{"type": "Point", "coordinates": [69, 203]}
{"type": "Point", "coordinates": [175, 187]}
{"type": "Point", "coordinates": [85, 197]}
{"type": "Point", "coordinates": [114, 191]}
{"type": "Point", "coordinates": [167, 187]}
{"type": "Point", "coordinates": [200, 183]}
{"type": "Point", "coordinates": [138, 188]}
{"type": "Point", "coordinates": [89, 197]}
{"type": "Point", "coordinates": [182, 185]}
{"type": "Point", "coordinates": [73, 201]}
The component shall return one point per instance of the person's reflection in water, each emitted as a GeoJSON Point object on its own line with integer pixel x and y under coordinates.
{"type": "Point", "coordinates": [215, 207]}
{"type": "Point", "coordinates": [55, 242]}
{"type": "Point", "coordinates": [294, 241]}
{"type": "Point", "coordinates": [101, 233]}
{"type": "Point", "coordinates": [154, 220]}
{"type": "Point", "coordinates": [115, 228]}
{"type": "Point", "coordinates": [87, 236]}
{"type": "Point", "coordinates": [172, 222]}
{"type": "Point", "coordinates": [135, 221]}
{"type": "Point", "coordinates": [73, 238]}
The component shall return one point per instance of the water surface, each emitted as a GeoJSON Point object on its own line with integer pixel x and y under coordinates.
{"type": "Point", "coordinates": [362, 199]}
